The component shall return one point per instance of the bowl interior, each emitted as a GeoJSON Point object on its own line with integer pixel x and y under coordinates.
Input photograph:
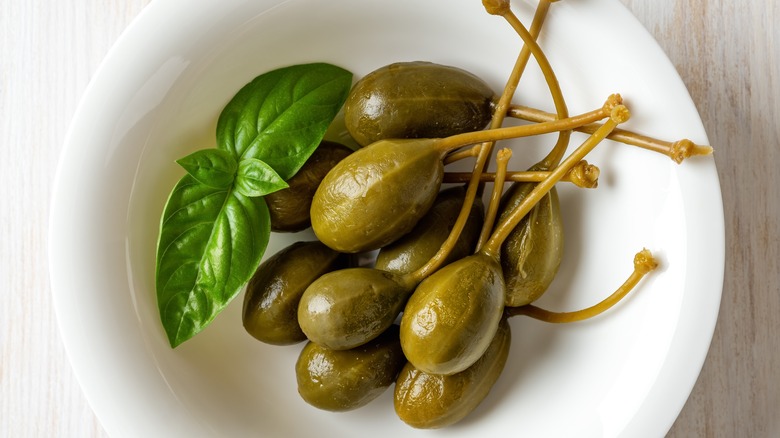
{"type": "Point", "coordinates": [157, 98]}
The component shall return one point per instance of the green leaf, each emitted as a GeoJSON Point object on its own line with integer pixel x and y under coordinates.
{"type": "Point", "coordinates": [256, 178]}
{"type": "Point", "coordinates": [281, 116]}
{"type": "Point", "coordinates": [213, 167]}
{"type": "Point", "coordinates": [211, 242]}
{"type": "Point", "coordinates": [216, 225]}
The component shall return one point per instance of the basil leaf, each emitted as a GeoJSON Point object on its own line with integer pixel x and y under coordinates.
{"type": "Point", "coordinates": [256, 178]}
{"type": "Point", "coordinates": [216, 225]}
{"type": "Point", "coordinates": [213, 167]}
{"type": "Point", "coordinates": [211, 242]}
{"type": "Point", "coordinates": [281, 116]}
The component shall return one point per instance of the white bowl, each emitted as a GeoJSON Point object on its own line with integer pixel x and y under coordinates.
{"type": "Point", "coordinates": [156, 98]}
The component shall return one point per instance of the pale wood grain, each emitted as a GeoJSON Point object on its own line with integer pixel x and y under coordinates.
{"type": "Point", "coordinates": [728, 54]}
{"type": "Point", "coordinates": [49, 51]}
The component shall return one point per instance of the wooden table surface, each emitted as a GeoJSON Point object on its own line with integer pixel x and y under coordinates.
{"type": "Point", "coordinates": [727, 52]}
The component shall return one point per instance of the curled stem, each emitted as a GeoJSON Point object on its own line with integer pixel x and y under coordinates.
{"type": "Point", "coordinates": [583, 175]}
{"type": "Point", "coordinates": [677, 150]}
{"type": "Point", "coordinates": [502, 160]}
{"type": "Point", "coordinates": [618, 115]}
{"type": "Point", "coordinates": [502, 7]}
{"type": "Point", "coordinates": [644, 262]}
{"type": "Point", "coordinates": [556, 154]}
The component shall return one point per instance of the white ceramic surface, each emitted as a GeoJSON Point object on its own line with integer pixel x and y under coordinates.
{"type": "Point", "coordinates": [156, 97]}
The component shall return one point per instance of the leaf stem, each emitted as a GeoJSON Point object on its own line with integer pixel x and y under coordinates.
{"type": "Point", "coordinates": [582, 175]}
{"type": "Point", "coordinates": [677, 150]}
{"type": "Point", "coordinates": [459, 140]}
{"type": "Point", "coordinates": [644, 262]}
{"type": "Point", "coordinates": [502, 160]}
{"type": "Point", "coordinates": [557, 152]}
{"type": "Point", "coordinates": [501, 7]}
{"type": "Point", "coordinates": [618, 115]}
{"type": "Point", "coordinates": [474, 187]}
{"type": "Point", "coordinates": [471, 194]}
{"type": "Point", "coordinates": [461, 155]}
